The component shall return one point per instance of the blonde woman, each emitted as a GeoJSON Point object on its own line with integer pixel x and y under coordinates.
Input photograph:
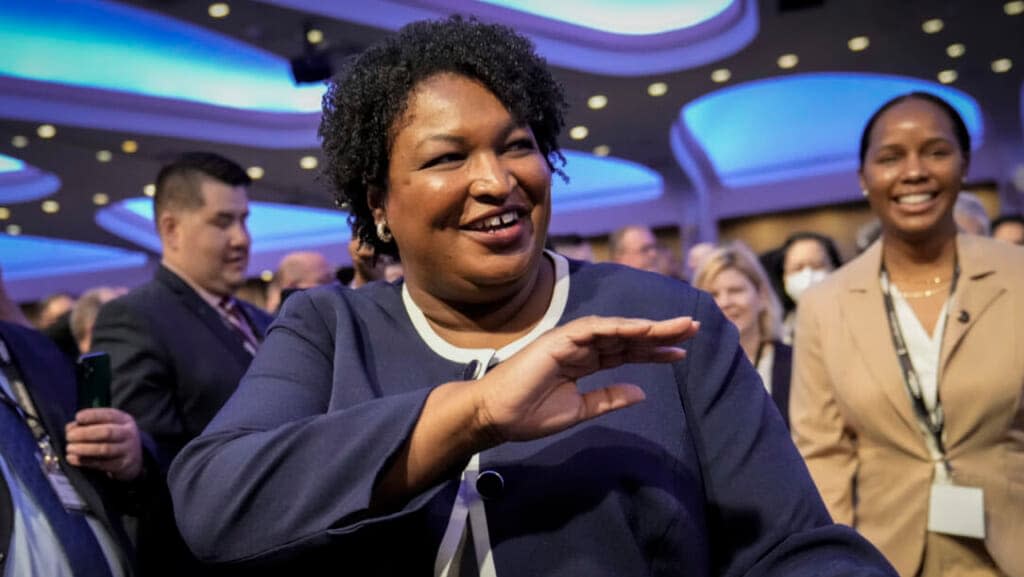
{"type": "Point", "coordinates": [740, 287]}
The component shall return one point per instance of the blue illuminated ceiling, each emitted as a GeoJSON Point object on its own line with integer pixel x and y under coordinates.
{"type": "Point", "coordinates": [115, 47]}
{"type": "Point", "coordinates": [793, 127]}
{"type": "Point", "coordinates": [602, 182]}
{"type": "Point", "coordinates": [637, 17]}
{"type": "Point", "coordinates": [621, 38]}
{"type": "Point", "coordinates": [20, 182]}
{"type": "Point", "coordinates": [274, 227]}
{"type": "Point", "coordinates": [21, 257]}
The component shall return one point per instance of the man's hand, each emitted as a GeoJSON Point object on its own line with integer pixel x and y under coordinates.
{"type": "Point", "coordinates": [106, 440]}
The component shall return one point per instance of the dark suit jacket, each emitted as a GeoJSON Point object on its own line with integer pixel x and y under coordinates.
{"type": "Point", "coordinates": [175, 362]}
{"type": "Point", "coordinates": [50, 380]}
{"type": "Point", "coordinates": [782, 371]}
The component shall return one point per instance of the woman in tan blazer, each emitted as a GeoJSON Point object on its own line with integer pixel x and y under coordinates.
{"type": "Point", "coordinates": [895, 467]}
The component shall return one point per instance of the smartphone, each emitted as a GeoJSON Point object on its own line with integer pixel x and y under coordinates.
{"type": "Point", "coordinates": [94, 381]}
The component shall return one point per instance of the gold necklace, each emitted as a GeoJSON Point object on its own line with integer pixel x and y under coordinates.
{"type": "Point", "coordinates": [936, 286]}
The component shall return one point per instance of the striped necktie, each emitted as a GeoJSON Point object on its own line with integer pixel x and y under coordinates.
{"type": "Point", "coordinates": [234, 317]}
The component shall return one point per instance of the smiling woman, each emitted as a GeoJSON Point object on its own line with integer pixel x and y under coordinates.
{"type": "Point", "coordinates": [916, 439]}
{"type": "Point", "coordinates": [502, 410]}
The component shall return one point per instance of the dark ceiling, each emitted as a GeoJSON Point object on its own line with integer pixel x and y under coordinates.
{"type": "Point", "coordinates": [634, 125]}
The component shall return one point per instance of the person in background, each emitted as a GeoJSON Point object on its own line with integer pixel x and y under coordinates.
{"type": "Point", "coordinates": [51, 308]}
{"type": "Point", "coordinates": [1009, 228]}
{"type": "Point", "coordinates": [572, 246]}
{"type": "Point", "coordinates": [91, 456]}
{"type": "Point", "coordinates": [87, 307]}
{"type": "Point", "coordinates": [297, 271]}
{"type": "Point", "coordinates": [805, 259]}
{"type": "Point", "coordinates": [502, 410]}
{"type": "Point", "coordinates": [740, 287]}
{"type": "Point", "coordinates": [180, 343]}
{"type": "Point", "coordinates": [970, 215]}
{"type": "Point", "coordinates": [907, 383]}
{"type": "Point", "coordinates": [696, 255]}
{"type": "Point", "coordinates": [634, 246]}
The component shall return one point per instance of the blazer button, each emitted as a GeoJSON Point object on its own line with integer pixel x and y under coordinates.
{"type": "Point", "coordinates": [490, 485]}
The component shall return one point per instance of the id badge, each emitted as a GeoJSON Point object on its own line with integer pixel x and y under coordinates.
{"type": "Point", "coordinates": [957, 510]}
{"type": "Point", "coordinates": [65, 491]}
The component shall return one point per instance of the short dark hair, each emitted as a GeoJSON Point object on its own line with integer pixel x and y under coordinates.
{"type": "Point", "coordinates": [963, 136]}
{"type": "Point", "coordinates": [371, 93]}
{"type": "Point", "coordinates": [177, 183]}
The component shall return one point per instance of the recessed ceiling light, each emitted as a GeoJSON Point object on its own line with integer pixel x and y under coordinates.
{"type": "Point", "coordinates": [314, 36]}
{"type": "Point", "coordinates": [267, 275]}
{"type": "Point", "coordinates": [13, 229]}
{"type": "Point", "coordinates": [255, 172]}
{"type": "Point", "coordinates": [1002, 65]}
{"type": "Point", "coordinates": [308, 162]}
{"type": "Point", "coordinates": [100, 199]}
{"type": "Point", "coordinates": [46, 131]}
{"type": "Point", "coordinates": [149, 190]}
{"type": "Point", "coordinates": [858, 43]}
{"type": "Point", "coordinates": [657, 89]}
{"type": "Point", "coordinates": [932, 26]}
{"type": "Point", "coordinates": [578, 132]}
{"type": "Point", "coordinates": [129, 147]}
{"type": "Point", "coordinates": [5, 213]}
{"type": "Point", "coordinates": [787, 61]}
{"type": "Point", "coordinates": [947, 76]}
{"type": "Point", "coordinates": [219, 10]}
{"type": "Point", "coordinates": [602, 150]}
{"type": "Point", "coordinates": [597, 102]}
{"type": "Point", "coordinates": [104, 155]}
{"type": "Point", "coordinates": [50, 206]}
{"type": "Point", "coordinates": [956, 50]}
{"type": "Point", "coordinates": [721, 75]}
{"type": "Point", "coordinates": [19, 141]}
{"type": "Point", "coordinates": [1014, 8]}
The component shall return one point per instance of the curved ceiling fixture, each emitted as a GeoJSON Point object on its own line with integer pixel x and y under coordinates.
{"type": "Point", "coordinates": [276, 229]}
{"type": "Point", "coordinates": [21, 261]}
{"type": "Point", "coordinates": [792, 127]}
{"type": "Point", "coordinates": [596, 182]}
{"type": "Point", "coordinates": [621, 38]}
{"type": "Point", "coordinates": [107, 65]}
{"type": "Point", "coordinates": [20, 182]}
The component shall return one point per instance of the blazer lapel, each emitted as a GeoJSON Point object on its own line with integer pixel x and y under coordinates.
{"type": "Point", "coordinates": [864, 314]}
{"type": "Point", "coordinates": [206, 314]}
{"type": "Point", "coordinates": [977, 288]}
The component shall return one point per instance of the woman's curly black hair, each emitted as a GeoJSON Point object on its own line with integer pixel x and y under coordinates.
{"type": "Point", "coordinates": [366, 98]}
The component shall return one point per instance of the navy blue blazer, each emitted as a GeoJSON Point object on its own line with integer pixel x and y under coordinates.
{"type": "Point", "coordinates": [699, 479]}
{"type": "Point", "coordinates": [49, 378]}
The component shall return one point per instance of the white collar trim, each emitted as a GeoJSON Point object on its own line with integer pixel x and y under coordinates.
{"type": "Point", "coordinates": [559, 298]}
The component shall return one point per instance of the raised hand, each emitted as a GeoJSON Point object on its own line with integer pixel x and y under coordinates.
{"type": "Point", "coordinates": [106, 440]}
{"type": "Point", "coordinates": [533, 394]}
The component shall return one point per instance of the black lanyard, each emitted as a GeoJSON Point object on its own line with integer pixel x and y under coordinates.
{"type": "Point", "coordinates": [934, 420]}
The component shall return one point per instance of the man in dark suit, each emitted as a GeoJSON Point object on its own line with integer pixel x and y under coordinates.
{"type": "Point", "coordinates": [60, 516]}
{"type": "Point", "coordinates": [180, 343]}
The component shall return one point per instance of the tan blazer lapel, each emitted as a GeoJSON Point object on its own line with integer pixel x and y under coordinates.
{"type": "Point", "coordinates": [978, 287]}
{"type": "Point", "coordinates": [869, 329]}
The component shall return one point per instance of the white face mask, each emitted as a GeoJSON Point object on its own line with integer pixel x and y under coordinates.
{"type": "Point", "coordinates": [798, 282]}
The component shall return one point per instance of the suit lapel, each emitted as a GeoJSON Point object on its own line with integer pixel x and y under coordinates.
{"type": "Point", "coordinates": [978, 287]}
{"type": "Point", "coordinates": [864, 314]}
{"type": "Point", "coordinates": [206, 314]}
